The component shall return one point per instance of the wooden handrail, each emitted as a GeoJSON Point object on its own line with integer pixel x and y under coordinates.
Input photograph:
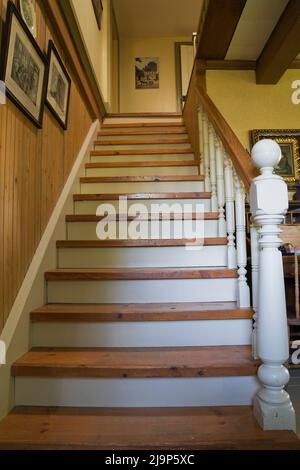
{"type": "Point", "coordinates": [239, 155]}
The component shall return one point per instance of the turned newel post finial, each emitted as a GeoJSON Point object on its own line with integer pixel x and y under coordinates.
{"type": "Point", "coordinates": [269, 202]}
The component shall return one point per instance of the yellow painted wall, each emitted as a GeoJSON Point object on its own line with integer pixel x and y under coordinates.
{"type": "Point", "coordinates": [156, 100]}
{"type": "Point", "coordinates": [98, 42]}
{"type": "Point", "coordinates": [248, 106]}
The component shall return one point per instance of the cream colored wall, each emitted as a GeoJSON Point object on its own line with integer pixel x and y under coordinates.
{"type": "Point", "coordinates": [157, 100]}
{"type": "Point", "coordinates": [98, 42]}
{"type": "Point", "coordinates": [248, 106]}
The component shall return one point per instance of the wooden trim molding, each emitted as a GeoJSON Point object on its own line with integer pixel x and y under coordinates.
{"type": "Point", "coordinates": [221, 20]}
{"type": "Point", "coordinates": [239, 155]}
{"type": "Point", "coordinates": [230, 64]}
{"type": "Point", "coordinates": [282, 46]}
{"type": "Point", "coordinates": [62, 19]}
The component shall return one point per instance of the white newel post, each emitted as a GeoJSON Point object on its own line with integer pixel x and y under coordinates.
{"type": "Point", "coordinates": [213, 175]}
{"type": "Point", "coordinates": [220, 187]}
{"type": "Point", "coordinates": [254, 272]}
{"type": "Point", "coordinates": [201, 143]}
{"type": "Point", "coordinates": [230, 219]}
{"type": "Point", "coordinates": [243, 297]}
{"type": "Point", "coordinates": [206, 153]}
{"type": "Point", "coordinates": [269, 202]}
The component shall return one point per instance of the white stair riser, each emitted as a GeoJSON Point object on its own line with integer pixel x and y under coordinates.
{"type": "Point", "coordinates": [144, 171]}
{"type": "Point", "coordinates": [87, 230]}
{"type": "Point", "coordinates": [208, 391]}
{"type": "Point", "coordinates": [142, 158]}
{"type": "Point", "coordinates": [133, 291]}
{"type": "Point", "coordinates": [90, 207]}
{"type": "Point", "coordinates": [149, 257]}
{"type": "Point", "coordinates": [143, 146]}
{"type": "Point", "coordinates": [103, 138]}
{"type": "Point", "coordinates": [142, 187]}
{"type": "Point", "coordinates": [143, 334]}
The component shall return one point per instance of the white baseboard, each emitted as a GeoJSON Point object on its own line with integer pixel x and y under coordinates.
{"type": "Point", "coordinates": [16, 333]}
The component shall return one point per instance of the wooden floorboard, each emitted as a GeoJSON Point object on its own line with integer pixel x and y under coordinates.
{"type": "Point", "coordinates": [142, 164]}
{"type": "Point", "coordinates": [208, 428]}
{"type": "Point", "coordinates": [141, 179]}
{"type": "Point", "coordinates": [214, 428]}
{"type": "Point", "coordinates": [138, 274]}
{"type": "Point", "coordinates": [165, 151]}
{"type": "Point", "coordinates": [142, 125]}
{"type": "Point", "coordinates": [141, 243]}
{"type": "Point", "coordinates": [143, 142]}
{"type": "Point", "coordinates": [138, 115]}
{"type": "Point", "coordinates": [128, 132]}
{"type": "Point", "coordinates": [184, 311]}
{"type": "Point", "coordinates": [140, 196]}
{"type": "Point", "coordinates": [205, 361]}
{"type": "Point", "coordinates": [147, 217]}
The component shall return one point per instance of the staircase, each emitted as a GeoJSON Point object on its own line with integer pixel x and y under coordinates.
{"type": "Point", "coordinates": [141, 343]}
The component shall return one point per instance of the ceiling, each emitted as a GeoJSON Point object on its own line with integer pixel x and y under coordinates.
{"type": "Point", "coordinates": [254, 28]}
{"type": "Point", "coordinates": [157, 18]}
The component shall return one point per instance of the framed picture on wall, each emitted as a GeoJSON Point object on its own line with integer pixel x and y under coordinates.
{"type": "Point", "coordinates": [146, 73]}
{"type": "Point", "coordinates": [289, 142]}
{"type": "Point", "coordinates": [23, 67]}
{"type": "Point", "coordinates": [98, 9]}
{"type": "Point", "coordinates": [28, 14]}
{"type": "Point", "coordinates": [58, 87]}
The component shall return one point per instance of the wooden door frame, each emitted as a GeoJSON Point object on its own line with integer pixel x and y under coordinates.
{"type": "Point", "coordinates": [178, 72]}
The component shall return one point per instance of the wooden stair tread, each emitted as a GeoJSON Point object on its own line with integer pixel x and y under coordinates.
{"type": "Point", "coordinates": [140, 179]}
{"type": "Point", "coordinates": [140, 312]}
{"type": "Point", "coordinates": [159, 115]}
{"type": "Point", "coordinates": [129, 132]}
{"type": "Point", "coordinates": [206, 428]}
{"type": "Point", "coordinates": [142, 243]}
{"type": "Point", "coordinates": [165, 151]}
{"type": "Point", "coordinates": [139, 164]}
{"type": "Point", "coordinates": [143, 141]}
{"type": "Point", "coordinates": [205, 361]}
{"type": "Point", "coordinates": [138, 274]}
{"type": "Point", "coordinates": [129, 125]}
{"type": "Point", "coordinates": [143, 196]}
{"type": "Point", "coordinates": [147, 217]}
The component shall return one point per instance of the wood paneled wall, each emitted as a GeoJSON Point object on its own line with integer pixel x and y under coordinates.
{"type": "Point", "coordinates": [34, 165]}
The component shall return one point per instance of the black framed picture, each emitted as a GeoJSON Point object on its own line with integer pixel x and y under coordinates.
{"type": "Point", "coordinates": [58, 87]}
{"type": "Point", "coordinates": [98, 9]}
{"type": "Point", "coordinates": [23, 68]}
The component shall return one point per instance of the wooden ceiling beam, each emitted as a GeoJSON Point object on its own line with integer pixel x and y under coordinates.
{"type": "Point", "coordinates": [221, 20]}
{"type": "Point", "coordinates": [282, 47]}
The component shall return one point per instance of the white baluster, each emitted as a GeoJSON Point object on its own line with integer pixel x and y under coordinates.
{"type": "Point", "coordinates": [213, 177]}
{"type": "Point", "coordinates": [206, 153]}
{"type": "Point", "coordinates": [230, 218]}
{"type": "Point", "coordinates": [269, 202]}
{"type": "Point", "coordinates": [220, 187]}
{"type": "Point", "coordinates": [201, 143]}
{"type": "Point", "coordinates": [255, 274]}
{"type": "Point", "coordinates": [241, 243]}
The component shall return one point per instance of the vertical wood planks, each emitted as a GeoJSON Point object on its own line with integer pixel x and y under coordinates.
{"type": "Point", "coordinates": [34, 165]}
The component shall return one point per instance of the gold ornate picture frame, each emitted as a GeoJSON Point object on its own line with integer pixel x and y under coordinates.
{"type": "Point", "coordinates": [289, 142]}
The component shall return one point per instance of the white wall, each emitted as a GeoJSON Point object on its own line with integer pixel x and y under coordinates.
{"type": "Point", "coordinates": [163, 99]}
{"type": "Point", "coordinates": [98, 43]}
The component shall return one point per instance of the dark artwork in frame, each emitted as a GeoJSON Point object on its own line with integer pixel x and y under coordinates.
{"type": "Point", "coordinates": [289, 142]}
{"type": "Point", "coordinates": [23, 67]}
{"type": "Point", "coordinates": [58, 87]}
